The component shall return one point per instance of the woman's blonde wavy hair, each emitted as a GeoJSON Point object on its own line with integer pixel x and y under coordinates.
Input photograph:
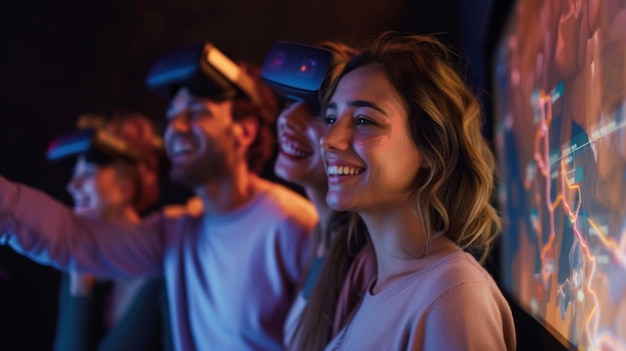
{"type": "Point", "coordinates": [454, 194]}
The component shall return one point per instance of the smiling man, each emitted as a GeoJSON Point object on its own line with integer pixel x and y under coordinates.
{"type": "Point", "coordinates": [232, 264]}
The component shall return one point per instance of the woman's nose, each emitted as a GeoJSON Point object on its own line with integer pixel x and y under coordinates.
{"type": "Point", "coordinates": [74, 184]}
{"type": "Point", "coordinates": [180, 122]}
{"type": "Point", "coordinates": [337, 136]}
{"type": "Point", "coordinates": [294, 118]}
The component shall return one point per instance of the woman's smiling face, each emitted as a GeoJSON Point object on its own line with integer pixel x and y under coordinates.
{"type": "Point", "coordinates": [370, 159]}
{"type": "Point", "coordinates": [98, 190]}
{"type": "Point", "coordinates": [299, 157]}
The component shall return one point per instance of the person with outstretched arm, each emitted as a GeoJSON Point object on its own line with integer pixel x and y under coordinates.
{"type": "Point", "coordinates": [231, 257]}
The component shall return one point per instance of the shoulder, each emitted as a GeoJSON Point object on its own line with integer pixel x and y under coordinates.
{"type": "Point", "coordinates": [469, 305]}
{"type": "Point", "coordinates": [453, 278]}
{"type": "Point", "coordinates": [462, 286]}
{"type": "Point", "coordinates": [460, 273]}
{"type": "Point", "coordinates": [288, 217]}
{"type": "Point", "coordinates": [175, 214]}
{"type": "Point", "coordinates": [192, 208]}
{"type": "Point", "coordinates": [291, 206]}
{"type": "Point", "coordinates": [461, 267]}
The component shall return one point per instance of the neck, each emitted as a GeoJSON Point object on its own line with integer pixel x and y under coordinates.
{"type": "Point", "coordinates": [225, 195]}
{"type": "Point", "coordinates": [398, 239]}
{"type": "Point", "coordinates": [318, 198]}
{"type": "Point", "coordinates": [131, 214]}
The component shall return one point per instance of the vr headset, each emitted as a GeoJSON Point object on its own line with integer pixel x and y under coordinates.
{"type": "Point", "coordinates": [297, 71]}
{"type": "Point", "coordinates": [96, 145]}
{"type": "Point", "coordinates": [202, 69]}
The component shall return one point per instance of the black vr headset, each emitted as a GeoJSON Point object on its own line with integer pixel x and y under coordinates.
{"type": "Point", "coordinates": [297, 71]}
{"type": "Point", "coordinates": [96, 145]}
{"type": "Point", "coordinates": [202, 69]}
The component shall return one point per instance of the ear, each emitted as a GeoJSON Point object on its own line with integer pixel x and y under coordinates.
{"type": "Point", "coordinates": [246, 131]}
{"type": "Point", "coordinates": [124, 180]}
{"type": "Point", "coordinates": [129, 190]}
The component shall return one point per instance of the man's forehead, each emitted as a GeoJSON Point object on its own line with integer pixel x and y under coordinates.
{"type": "Point", "coordinates": [185, 98]}
{"type": "Point", "coordinates": [184, 95]}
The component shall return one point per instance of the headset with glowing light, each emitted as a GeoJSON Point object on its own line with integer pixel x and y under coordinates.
{"type": "Point", "coordinates": [297, 71]}
{"type": "Point", "coordinates": [202, 69]}
{"type": "Point", "coordinates": [96, 144]}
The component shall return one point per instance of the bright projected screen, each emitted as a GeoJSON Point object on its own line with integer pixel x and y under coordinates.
{"type": "Point", "coordinates": [560, 105]}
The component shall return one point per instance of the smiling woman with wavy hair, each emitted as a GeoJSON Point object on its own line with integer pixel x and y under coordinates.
{"type": "Point", "coordinates": [403, 149]}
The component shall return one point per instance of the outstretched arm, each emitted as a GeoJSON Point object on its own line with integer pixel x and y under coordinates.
{"type": "Point", "coordinates": [43, 229]}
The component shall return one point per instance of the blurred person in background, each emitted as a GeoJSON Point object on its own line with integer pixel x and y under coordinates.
{"type": "Point", "coordinates": [323, 304]}
{"type": "Point", "coordinates": [231, 257]}
{"type": "Point", "coordinates": [115, 179]}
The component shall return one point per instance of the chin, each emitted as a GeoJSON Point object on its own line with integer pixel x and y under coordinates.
{"type": "Point", "coordinates": [335, 203]}
{"type": "Point", "coordinates": [189, 178]}
{"type": "Point", "coordinates": [288, 175]}
{"type": "Point", "coordinates": [180, 175]}
{"type": "Point", "coordinates": [283, 165]}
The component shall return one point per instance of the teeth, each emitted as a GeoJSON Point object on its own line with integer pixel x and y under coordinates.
{"type": "Point", "coordinates": [80, 201]}
{"type": "Point", "coordinates": [180, 146]}
{"type": "Point", "coordinates": [343, 170]}
{"type": "Point", "coordinates": [292, 149]}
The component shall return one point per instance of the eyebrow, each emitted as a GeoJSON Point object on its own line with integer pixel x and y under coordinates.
{"type": "Point", "coordinates": [361, 103]}
{"type": "Point", "coordinates": [190, 106]}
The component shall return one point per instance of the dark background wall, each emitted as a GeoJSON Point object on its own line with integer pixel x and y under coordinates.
{"type": "Point", "coordinates": [61, 59]}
